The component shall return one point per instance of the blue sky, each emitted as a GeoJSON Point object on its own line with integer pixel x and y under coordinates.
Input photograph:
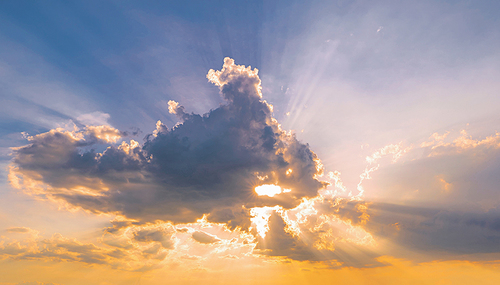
{"type": "Point", "coordinates": [122, 57]}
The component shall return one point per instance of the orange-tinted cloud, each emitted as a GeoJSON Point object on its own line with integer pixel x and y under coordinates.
{"type": "Point", "coordinates": [205, 164]}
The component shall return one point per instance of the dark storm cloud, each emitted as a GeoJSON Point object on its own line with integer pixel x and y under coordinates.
{"type": "Point", "coordinates": [202, 165]}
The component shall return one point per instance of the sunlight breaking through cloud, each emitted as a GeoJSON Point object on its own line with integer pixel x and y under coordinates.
{"type": "Point", "coordinates": [206, 169]}
{"type": "Point", "coordinates": [230, 183]}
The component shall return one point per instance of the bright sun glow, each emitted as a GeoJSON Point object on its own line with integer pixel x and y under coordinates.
{"type": "Point", "coordinates": [260, 218]}
{"type": "Point", "coordinates": [268, 190]}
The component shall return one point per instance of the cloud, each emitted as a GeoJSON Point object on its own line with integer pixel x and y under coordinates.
{"type": "Point", "coordinates": [94, 119]}
{"type": "Point", "coordinates": [451, 170]}
{"type": "Point", "coordinates": [437, 231]}
{"type": "Point", "coordinates": [322, 237]}
{"type": "Point", "coordinates": [18, 230]}
{"type": "Point", "coordinates": [278, 242]}
{"type": "Point", "coordinates": [444, 194]}
{"type": "Point", "coordinates": [203, 237]}
{"type": "Point", "coordinates": [201, 175]}
{"type": "Point", "coordinates": [57, 248]}
{"type": "Point", "coordinates": [160, 235]}
{"type": "Point", "coordinates": [205, 164]}
{"type": "Point", "coordinates": [125, 245]}
{"type": "Point", "coordinates": [439, 197]}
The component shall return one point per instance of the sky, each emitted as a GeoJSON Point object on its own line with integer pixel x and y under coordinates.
{"type": "Point", "coordinates": [249, 142]}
